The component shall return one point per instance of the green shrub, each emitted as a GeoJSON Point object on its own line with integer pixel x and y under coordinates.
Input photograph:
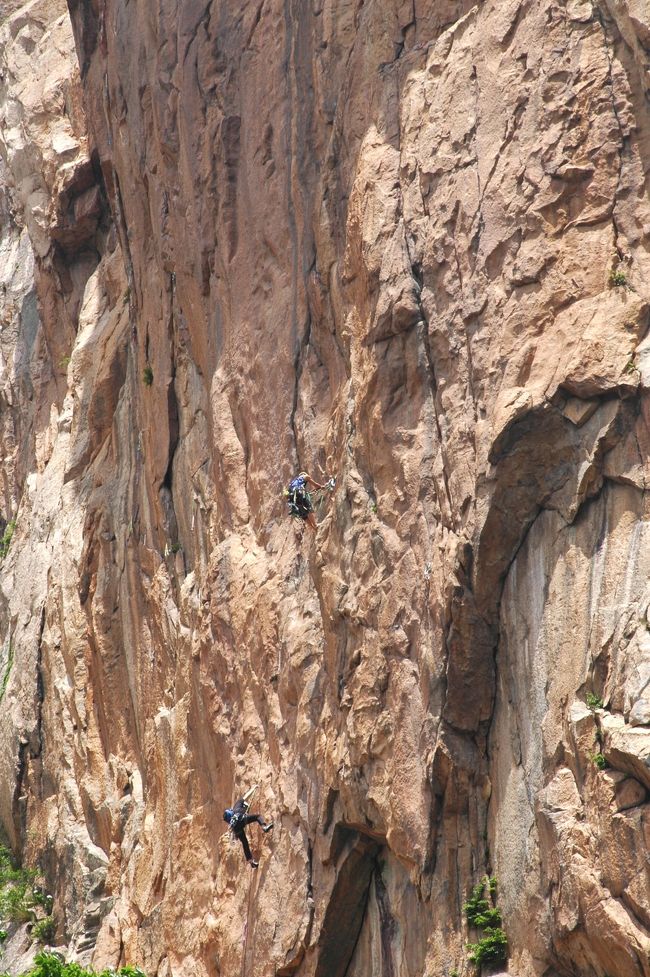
{"type": "Point", "coordinates": [477, 905]}
{"type": "Point", "coordinates": [19, 893]}
{"type": "Point", "coordinates": [489, 919]}
{"type": "Point", "coordinates": [594, 701]}
{"type": "Point", "coordinates": [482, 914]}
{"type": "Point", "coordinates": [491, 948]}
{"type": "Point", "coordinates": [147, 376]}
{"type": "Point", "coordinates": [3, 935]}
{"type": "Point", "coordinates": [5, 542]}
{"type": "Point", "coordinates": [617, 278]}
{"type": "Point", "coordinates": [52, 965]}
{"type": "Point", "coordinates": [600, 760]}
{"type": "Point", "coordinates": [16, 903]}
{"type": "Point", "coordinates": [44, 930]}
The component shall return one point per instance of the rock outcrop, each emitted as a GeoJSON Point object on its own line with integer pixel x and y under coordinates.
{"type": "Point", "coordinates": [405, 242]}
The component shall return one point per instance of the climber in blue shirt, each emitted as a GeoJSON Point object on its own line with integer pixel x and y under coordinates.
{"type": "Point", "coordinates": [299, 499]}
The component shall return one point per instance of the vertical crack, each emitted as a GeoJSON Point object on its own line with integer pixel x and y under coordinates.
{"type": "Point", "coordinates": [29, 750]}
{"type": "Point", "coordinates": [480, 190]}
{"type": "Point", "coordinates": [40, 687]}
{"type": "Point", "coordinates": [416, 273]}
{"type": "Point", "coordinates": [298, 366]}
{"type": "Point", "coordinates": [624, 139]}
{"type": "Point", "coordinates": [363, 917]}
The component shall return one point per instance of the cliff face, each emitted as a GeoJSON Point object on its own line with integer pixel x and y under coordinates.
{"type": "Point", "coordinates": [401, 242]}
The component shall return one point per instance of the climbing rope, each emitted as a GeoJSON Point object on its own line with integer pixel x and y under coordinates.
{"type": "Point", "coordinates": [248, 912]}
{"type": "Point", "coordinates": [250, 884]}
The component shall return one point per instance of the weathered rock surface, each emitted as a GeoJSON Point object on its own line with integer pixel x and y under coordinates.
{"type": "Point", "coordinates": [405, 242]}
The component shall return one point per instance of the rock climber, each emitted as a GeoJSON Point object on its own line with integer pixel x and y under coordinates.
{"type": "Point", "coordinates": [299, 500]}
{"type": "Point", "coordinates": [238, 818]}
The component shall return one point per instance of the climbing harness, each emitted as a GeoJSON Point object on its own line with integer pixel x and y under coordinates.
{"type": "Point", "coordinates": [237, 819]}
{"type": "Point", "coordinates": [299, 500]}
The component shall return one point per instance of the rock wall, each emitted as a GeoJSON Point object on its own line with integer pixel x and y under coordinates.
{"type": "Point", "coordinates": [405, 243]}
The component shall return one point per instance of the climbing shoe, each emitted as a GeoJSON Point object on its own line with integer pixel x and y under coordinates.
{"type": "Point", "coordinates": [267, 827]}
{"type": "Point", "coordinates": [253, 863]}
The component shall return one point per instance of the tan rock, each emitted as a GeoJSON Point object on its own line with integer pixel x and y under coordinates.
{"type": "Point", "coordinates": [375, 240]}
{"type": "Point", "coordinates": [630, 793]}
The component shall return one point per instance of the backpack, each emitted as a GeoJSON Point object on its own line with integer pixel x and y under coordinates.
{"type": "Point", "coordinates": [297, 484]}
{"type": "Point", "coordinates": [298, 497]}
{"type": "Point", "coordinates": [236, 822]}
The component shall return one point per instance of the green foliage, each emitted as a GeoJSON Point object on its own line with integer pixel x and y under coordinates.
{"type": "Point", "coordinates": [147, 376]}
{"type": "Point", "coordinates": [64, 363]}
{"type": "Point", "coordinates": [594, 701]}
{"type": "Point", "coordinates": [491, 948]}
{"type": "Point", "coordinates": [600, 760]}
{"type": "Point", "coordinates": [488, 919]}
{"type": "Point", "coordinates": [483, 914]}
{"type": "Point", "coordinates": [16, 903]}
{"type": "Point", "coordinates": [52, 965]}
{"type": "Point", "coordinates": [44, 930]}
{"type": "Point", "coordinates": [3, 935]}
{"type": "Point", "coordinates": [617, 278]}
{"type": "Point", "coordinates": [477, 905]}
{"type": "Point", "coordinates": [20, 895]}
{"type": "Point", "coordinates": [5, 542]}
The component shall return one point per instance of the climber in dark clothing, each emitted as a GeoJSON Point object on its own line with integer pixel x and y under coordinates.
{"type": "Point", "coordinates": [299, 499]}
{"type": "Point", "coordinates": [238, 819]}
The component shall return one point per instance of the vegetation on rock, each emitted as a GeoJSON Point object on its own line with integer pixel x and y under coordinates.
{"type": "Point", "coordinates": [594, 701]}
{"type": "Point", "coordinates": [52, 965]}
{"type": "Point", "coordinates": [44, 930]}
{"type": "Point", "coordinates": [491, 948]}
{"type": "Point", "coordinates": [483, 914]}
{"type": "Point", "coordinates": [5, 541]}
{"type": "Point", "coordinates": [22, 898]}
{"type": "Point", "coordinates": [617, 278]}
